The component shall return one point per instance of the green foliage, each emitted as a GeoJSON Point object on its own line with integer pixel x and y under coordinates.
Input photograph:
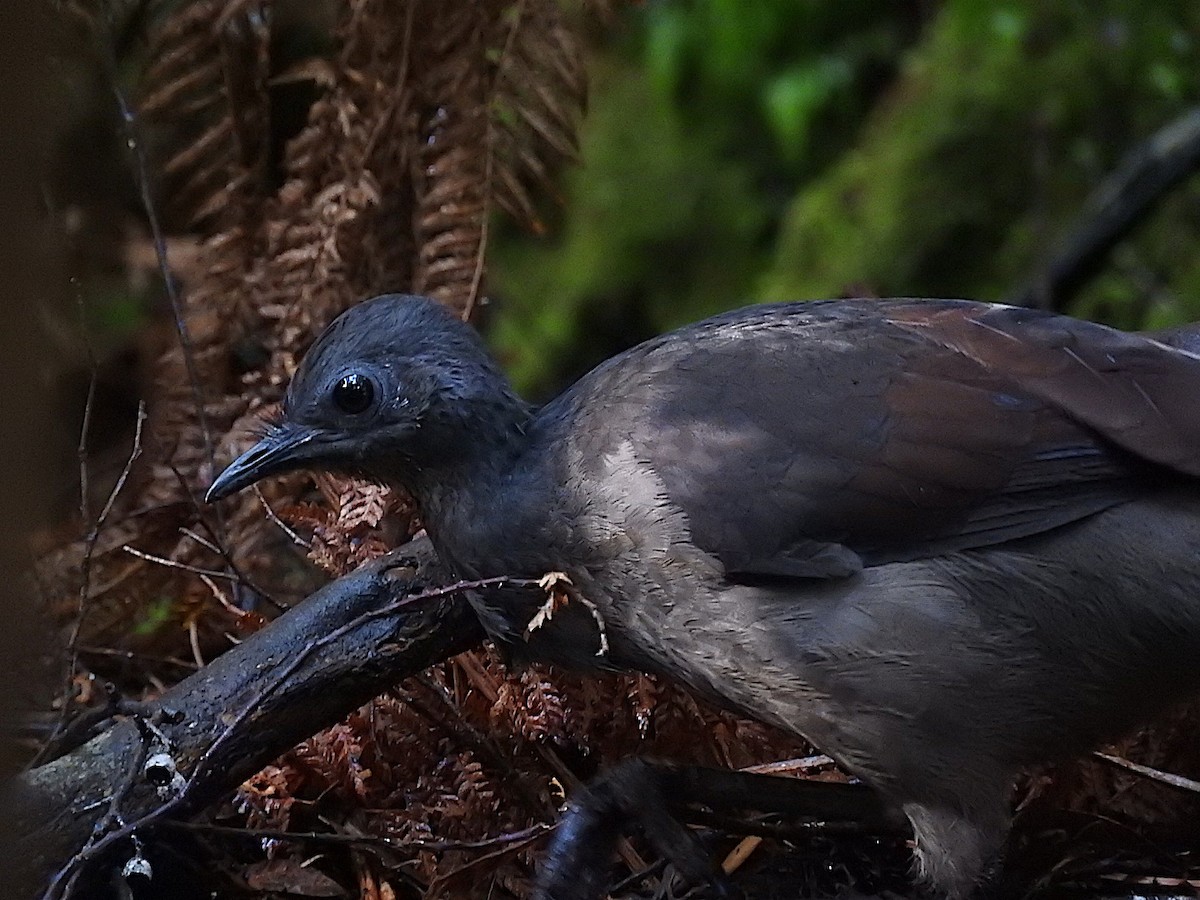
{"type": "Point", "coordinates": [653, 217]}
{"type": "Point", "coordinates": [741, 151]}
{"type": "Point", "coordinates": [703, 118]}
{"type": "Point", "coordinates": [1002, 121]}
{"type": "Point", "coordinates": [155, 616]}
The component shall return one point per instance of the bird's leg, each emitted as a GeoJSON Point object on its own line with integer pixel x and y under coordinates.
{"type": "Point", "coordinates": [657, 796]}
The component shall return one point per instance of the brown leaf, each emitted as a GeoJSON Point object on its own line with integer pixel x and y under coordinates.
{"type": "Point", "coordinates": [292, 877]}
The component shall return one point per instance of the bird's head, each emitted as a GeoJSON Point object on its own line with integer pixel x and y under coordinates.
{"type": "Point", "coordinates": [395, 386]}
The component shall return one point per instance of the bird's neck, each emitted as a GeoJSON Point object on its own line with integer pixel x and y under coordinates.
{"type": "Point", "coordinates": [479, 496]}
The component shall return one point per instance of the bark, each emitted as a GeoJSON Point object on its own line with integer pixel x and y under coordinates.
{"type": "Point", "coordinates": [308, 669]}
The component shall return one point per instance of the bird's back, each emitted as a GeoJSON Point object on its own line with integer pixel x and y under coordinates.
{"type": "Point", "coordinates": [940, 540]}
{"type": "Point", "coordinates": [810, 439]}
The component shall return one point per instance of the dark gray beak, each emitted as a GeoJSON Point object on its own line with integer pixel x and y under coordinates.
{"type": "Point", "coordinates": [287, 447]}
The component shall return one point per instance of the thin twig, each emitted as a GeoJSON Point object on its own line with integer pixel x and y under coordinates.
{"type": "Point", "coordinates": [86, 427]}
{"type": "Point", "coordinates": [142, 175]}
{"type": "Point", "coordinates": [788, 766]}
{"type": "Point", "coordinates": [654, 870]}
{"type": "Point", "coordinates": [175, 564]}
{"type": "Point", "coordinates": [200, 539]}
{"type": "Point", "coordinates": [518, 14]}
{"type": "Point", "coordinates": [85, 574]}
{"type": "Point", "coordinates": [125, 470]}
{"type": "Point", "coordinates": [101, 832]}
{"type": "Point", "coordinates": [217, 545]}
{"type": "Point", "coordinates": [480, 861]}
{"type": "Point", "coordinates": [1176, 781]}
{"type": "Point", "coordinates": [258, 834]}
{"type": "Point", "coordinates": [279, 523]}
{"type": "Point", "coordinates": [133, 656]}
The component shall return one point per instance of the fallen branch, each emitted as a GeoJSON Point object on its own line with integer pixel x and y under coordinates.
{"type": "Point", "coordinates": [1123, 199]}
{"type": "Point", "coordinates": [308, 669]}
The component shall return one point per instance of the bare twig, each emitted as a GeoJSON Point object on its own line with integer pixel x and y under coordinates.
{"type": "Point", "coordinates": [788, 766]}
{"type": "Point", "coordinates": [480, 861]}
{"type": "Point", "coordinates": [142, 176]}
{"type": "Point", "coordinates": [1175, 781]}
{"type": "Point", "coordinates": [279, 523]}
{"type": "Point", "coordinates": [200, 539]}
{"type": "Point", "coordinates": [132, 656]}
{"type": "Point", "coordinates": [217, 544]}
{"type": "Point", "coordinates": [473, 295]}
{"type": "Point", "coordinates": [175, 564]}
{"type": "Point", "coordinates": [85, 428]}
{"type": "Point", "coordinates": [259, 834]}
{"type": "Point", "coordinates": [85, 576]}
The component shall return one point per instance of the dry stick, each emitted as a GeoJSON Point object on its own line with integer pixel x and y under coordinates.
{"type": "Point", "coordinates": [480, 861]}
{"type": "Point", "coordinates": [217, 545]}
{"type": "Point", "coordinates": [55, 889]}
{"type": "Point", "coordinates": [283, 526]}
{"type": "Point", "coordinates": [367, 840]}
{"type": "Point", "coordinates": [85, 577]}
{"type": "Point", "coordinates": [488, 168]}
{"type": "Point", "coordinates": [789, 766]}
{"type": "Point", "coordinates": [654, 870]}
{"type": "Point", "coordinates": [199, 539]}
{"type": "Point", "coordinates": [85, 428]}
{"type": "Point", "coordinates": [131, 656]}
{"type": "Point", "coordinates": [1096, 868]}
{"type": "Point", "coordinates": [240, 576]}
{"type": "Point", "coordinates": [176, 564]}
{"type": "Point", "coordinates": [1175, 781]}
{"type": "Point", "coordinates": [84, 517]}
{"type": "Point", "coordinates": [85, 483]}
{"type": "Point", "coordinates": [142, 174]}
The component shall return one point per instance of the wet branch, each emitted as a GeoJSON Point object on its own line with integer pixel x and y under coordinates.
{"type": "Point", "coordinates": [344, 645]}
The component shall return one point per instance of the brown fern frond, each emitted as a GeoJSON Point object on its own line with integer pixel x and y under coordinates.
{"type": "Point", "coordinates": [451, 179]}
{"type": "Point", "coordinates": [500, 97]}
{"type": "Point", "coordinates": [540, 95]}
{"type": "Point", "coordinates": [429, 115]}
{"type": "Point", "coordinates": [206, 86]}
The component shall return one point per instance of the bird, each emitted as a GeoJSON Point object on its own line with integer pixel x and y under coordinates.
{"type": "Point", "coordinates": [942, 540]}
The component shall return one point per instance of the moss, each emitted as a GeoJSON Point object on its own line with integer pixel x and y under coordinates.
{"type": "Point", "coordinates": [814, 149]}
{"type": "Point", "coordinates": [1002, 120]}
{"type": "Point", "coordinates": [654, 215]}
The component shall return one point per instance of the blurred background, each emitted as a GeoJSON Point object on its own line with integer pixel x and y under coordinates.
{"type": "Point", "coordinates": [210, 182]}
{"type": "Point", "coordinates": [738, 152]}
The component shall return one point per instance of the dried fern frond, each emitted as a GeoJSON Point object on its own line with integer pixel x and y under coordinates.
{"type": "Point", "coordinates": [207, 84]}
{"type": "Point", "coordinates": [538, 102]}
{"type": "Point", "coordinates": [428, 116]}
{"type": "Point", "coordinates": [500, 99]}
{"type": "Point", "coordinates": [451, 178]}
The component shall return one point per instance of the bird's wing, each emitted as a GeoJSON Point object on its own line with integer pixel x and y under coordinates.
{"type": "Point", "coordinates": [806, 440]}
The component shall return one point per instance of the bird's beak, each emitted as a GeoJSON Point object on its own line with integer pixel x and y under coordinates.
{"type": "Point", "coordinates": [285, 448]}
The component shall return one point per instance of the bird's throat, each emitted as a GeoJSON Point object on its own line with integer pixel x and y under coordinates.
{"type": "Point", "coordinates": [486, 509]}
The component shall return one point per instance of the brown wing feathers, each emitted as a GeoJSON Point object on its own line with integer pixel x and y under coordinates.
{"type": "Point", "coordinates": [1136, 392]}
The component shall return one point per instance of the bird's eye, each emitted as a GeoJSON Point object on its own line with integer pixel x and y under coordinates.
{"type": "Point", "coordinates": [354, 393]}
